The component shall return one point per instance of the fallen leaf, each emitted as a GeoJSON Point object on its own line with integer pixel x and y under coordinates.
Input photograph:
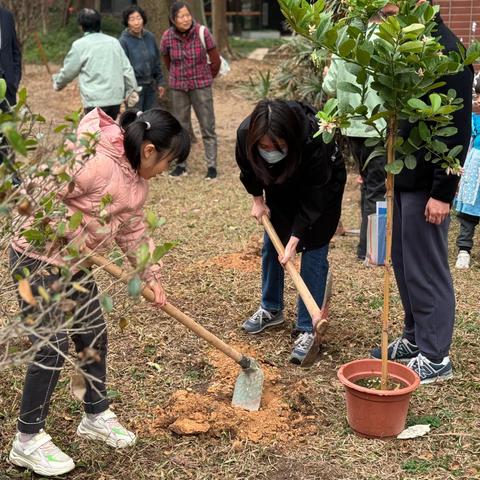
{"type": "Point", "coordinates": [123, 324]}
{"type": "Point", "coordinates": [78, 387]}
{"type": "Point", "coordinates": [25, 292]}
{"type": "Point", "coordinates": [413, 432]}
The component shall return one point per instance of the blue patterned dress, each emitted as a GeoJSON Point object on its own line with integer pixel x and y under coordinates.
{"type": "Point", "coordinates": [468, 197]}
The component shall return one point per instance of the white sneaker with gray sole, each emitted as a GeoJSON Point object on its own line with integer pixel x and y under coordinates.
{"type": "Point", "coordinates": [40, 455]}
{"type": "Point", "coordinates": [107, 428]}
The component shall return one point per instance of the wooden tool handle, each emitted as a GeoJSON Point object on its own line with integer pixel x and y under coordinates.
{"type": "Point", "coordinates": [303, 290]}
{"type": "Point", "coordinates": [169, 309]}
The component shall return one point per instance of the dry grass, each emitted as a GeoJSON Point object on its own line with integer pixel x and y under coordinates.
{"type": "Point", "coordinates": [205, 276]}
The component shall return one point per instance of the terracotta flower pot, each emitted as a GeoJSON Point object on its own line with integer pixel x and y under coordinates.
{"type": "Point", "coordinates": [377, 413]}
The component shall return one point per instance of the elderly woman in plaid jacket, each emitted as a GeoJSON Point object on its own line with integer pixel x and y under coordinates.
{"type": "Point", "coordinates": [192, 65]}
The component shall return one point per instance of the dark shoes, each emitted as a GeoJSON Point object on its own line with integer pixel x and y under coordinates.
{"type": "Point", "coordinates": [211, 173]}
{"type": "Point", "coordinates": [178, 171]}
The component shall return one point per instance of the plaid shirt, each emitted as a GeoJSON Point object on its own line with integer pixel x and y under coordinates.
{"type": "Point", "coordinates": [189, 68]}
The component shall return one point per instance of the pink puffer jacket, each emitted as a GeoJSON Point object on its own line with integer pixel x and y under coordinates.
{"type": "Point", "coordinates": [107, 172]}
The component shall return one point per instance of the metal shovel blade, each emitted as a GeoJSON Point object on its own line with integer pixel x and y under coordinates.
{"type": "Point", "coordinates": [248, 387]}
{"type": "Point", "coordinates": [321, 327]}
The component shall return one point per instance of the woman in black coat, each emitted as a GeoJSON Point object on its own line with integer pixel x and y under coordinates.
{"type": "Point", "coordinates": [298, 181]}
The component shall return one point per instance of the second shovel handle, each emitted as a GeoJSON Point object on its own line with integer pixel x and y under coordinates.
{"type": "Point", "coordinates": [170, 310]}
{"type": "Point", "coordinates": [302, 289]}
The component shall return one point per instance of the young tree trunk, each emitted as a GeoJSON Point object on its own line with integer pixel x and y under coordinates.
{"type": "Point", "coordinates": [198, 11]}
{"type": "Point", "coordinates": [220, 26]}
{"type": "Point", "coordinates": [157, 11]}
{"type": "Point", "coordinates": [392, 129]}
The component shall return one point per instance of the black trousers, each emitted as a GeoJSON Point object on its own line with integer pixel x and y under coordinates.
{"type": "Point", "coordinates": [373, 186]}
{"type": "Point", "coordinates": [468, 223]}
{"type": "Point", "coordinates": [88, 329]}
{"type": "Point", "coordinates": [420, 263]}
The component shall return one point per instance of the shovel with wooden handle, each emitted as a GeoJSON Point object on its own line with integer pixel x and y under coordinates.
{"type": "Point", "coordinates": [247, 393]}
{"type": "Point", "coordinates": [320, 315]}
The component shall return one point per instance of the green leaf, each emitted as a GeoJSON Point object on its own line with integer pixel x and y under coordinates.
{"type": "Point", "coordinates": [371, 142]}
{"type": "Point", "coordinates": [410, 162]}
{"type": "Point", "coordinates": [436, 101]}
{"type": "Point", "coordinates": [417, 28]}
{"type": "Point", "coordinates": [107, 303]}
{"type": "Point", "coordinates": [346, 47]}
{"type": "Point", "coordinates": [3, 89]}
{"type": "Point", "coordinates": [143, 255]}
{"type": "Point", "coordinates": [363, 57]}
{"type": "Point", "coordinates": [161, 250]}
{"type": "Point", "coordinates": [75, 221]}
{"type": "Point", "coordinates": [415, 46]}
{"type": "Point", "coordinates": [417, 104]}
{"type": "Point", "coordinates": [16, 141]}
{"type": "Point", "coordinates": [349, 87]}
{"type": "Point", "coordinates": [439, 146]}
{"type": "Point", "coordinates": [455, 151]}
{"type": "Point", "coordinates": [394, 168]}
{"type": "Point", "coordinates": [327, 137]}
{"type": "Point", "coordinates": [32, 235]}
{"type": "Point", "coordinates": [424, 131]}
{"type": "Point", "coordinates": [134, 286]}
{"type": "Point", "coordinates": [446, 131]}
{"type": "Point", "coordinates": [151, 219]}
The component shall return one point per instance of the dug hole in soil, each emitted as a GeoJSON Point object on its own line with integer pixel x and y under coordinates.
{"type": "Point", "coordinates": [211, 413]}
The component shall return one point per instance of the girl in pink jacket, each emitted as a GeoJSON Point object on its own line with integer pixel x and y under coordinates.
{"type": "Point", "coordinates": [126, 157]}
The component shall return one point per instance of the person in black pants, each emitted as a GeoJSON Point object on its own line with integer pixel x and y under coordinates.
{"type": "Point", "coordinates": [423, 199]}
{"type": "Point", "coordinates": [10, 68]}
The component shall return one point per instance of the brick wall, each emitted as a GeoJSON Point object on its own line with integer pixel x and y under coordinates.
{"type": "Point", "coordinates": [463, 17]}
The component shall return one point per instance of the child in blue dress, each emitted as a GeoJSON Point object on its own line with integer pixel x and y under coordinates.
{"type": "Point", "coordinates": [467, 202]}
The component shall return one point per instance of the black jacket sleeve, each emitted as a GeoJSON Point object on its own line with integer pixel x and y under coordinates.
{"type": "Point", "coordinates": [247, 175]}
{"type": "Point", "coordinates": [157, 67]}
{"type": "Point", "coordinates": [444, 186]}
{"type": "Point", "coordinates": [323, 178]}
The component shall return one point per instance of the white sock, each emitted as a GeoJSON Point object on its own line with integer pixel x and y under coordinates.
{"type": "Point", "coordinates": [26, 437]}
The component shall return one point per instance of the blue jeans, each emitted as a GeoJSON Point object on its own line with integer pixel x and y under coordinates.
{"type": "Point", "coordinates": [313, 270]}
{"type": "Point", "coordinates": [148, 97]}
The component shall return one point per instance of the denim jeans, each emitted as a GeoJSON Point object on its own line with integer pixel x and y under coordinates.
{"type": "Point", "coordinates": [148, 97]}
{"type": "Point", "coordinates": [313, 270]}
{"type": "Point", "coordinates": [43, 373]}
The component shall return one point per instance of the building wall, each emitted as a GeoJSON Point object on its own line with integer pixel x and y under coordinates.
{"type": "Point", "coordinates": [463, 17]}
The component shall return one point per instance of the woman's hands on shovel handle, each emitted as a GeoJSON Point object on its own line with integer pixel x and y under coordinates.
{"type": "Point", "coordinates": [259, 209]}
{"type": "Point", "coordinates": [290, 251]}
{"type": "Point", "coordinates": [159, 293]}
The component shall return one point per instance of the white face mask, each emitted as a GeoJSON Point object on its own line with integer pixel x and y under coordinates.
{"type": "Point", "coordinates": [273, 156]}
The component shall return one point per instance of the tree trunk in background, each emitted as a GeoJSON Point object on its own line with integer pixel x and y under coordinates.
{"type": "Point", "coordinates": [198, 11]}
{"type": "Point", "coordinates": [157, 12]}
{"type": "Point", "coordinates": [220, 26]}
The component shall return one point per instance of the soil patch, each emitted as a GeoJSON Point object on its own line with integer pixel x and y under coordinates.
{"type": "Point", "coordinates": [191, 413]}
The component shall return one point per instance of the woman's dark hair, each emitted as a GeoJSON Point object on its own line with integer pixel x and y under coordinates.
{"type": "Point", "coordinates": [174, 9]}
{"type": "Point", "coordinates": [89, 19]}
{"type": "Point", "coordinates": [132, 9]}
{"type": "Point", "coordinates": [157, 126]}
{"type": "Point", "coordinates": [277, 120]}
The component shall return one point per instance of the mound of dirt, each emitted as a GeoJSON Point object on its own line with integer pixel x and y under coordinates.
{"type": "Point", "coordinates": [190, 413]}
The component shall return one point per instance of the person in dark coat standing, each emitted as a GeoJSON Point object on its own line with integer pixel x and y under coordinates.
{"type": "Point", "coordinates": [10, 70]}
{"type": "Point", "coordinates": [423, 199]}
{"type": "Point", "coordinates": [298, 182]}
{"type": "Point", "coordinates": [10, 56]}
{"type": "Point", "coordinates": [142, 50]}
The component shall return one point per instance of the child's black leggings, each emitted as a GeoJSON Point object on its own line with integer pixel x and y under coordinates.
{"type": "Point", "coordinates": [51, 323]}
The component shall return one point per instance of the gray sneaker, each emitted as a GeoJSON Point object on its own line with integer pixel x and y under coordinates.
{"type": "Point", "coordinates": [430, 372]}
{"type": "Point", "coordinates": [261, 320]}
{"type": "Point", "coordinates": [301, 347]}
{"type": "Point", "coordinates": [400, 350]}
